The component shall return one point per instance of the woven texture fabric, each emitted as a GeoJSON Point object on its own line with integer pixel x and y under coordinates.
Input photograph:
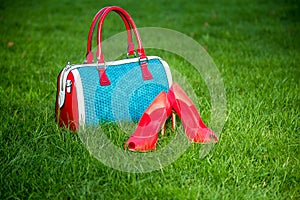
{"type": "Point", "coordinates": [128, 95]}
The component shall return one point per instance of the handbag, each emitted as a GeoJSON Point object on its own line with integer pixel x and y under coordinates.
{"type": "Point", "coordinates": [121, 90]}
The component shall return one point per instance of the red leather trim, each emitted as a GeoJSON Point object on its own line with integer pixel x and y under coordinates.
{"type": "Point", "coordinates": [130, 49]}
{"type": "Point", "coordinates": [67, 115]}
{"type": "Point", "coordinates": [104, 81]}
{"type": "Point", "coordinates": [89, 57]}
{"type": "Point", "coordinates": [145, 72]}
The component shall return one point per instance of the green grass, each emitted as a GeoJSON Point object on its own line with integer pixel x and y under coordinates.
{"type": "Point", "coordinates": [256, 48]}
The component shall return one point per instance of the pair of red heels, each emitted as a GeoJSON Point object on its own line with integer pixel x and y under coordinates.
{"type": "Point", "coordinates": [145, 136]}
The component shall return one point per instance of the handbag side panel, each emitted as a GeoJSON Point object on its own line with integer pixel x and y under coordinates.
{"type": "Point", "coordinates": [69, 114]}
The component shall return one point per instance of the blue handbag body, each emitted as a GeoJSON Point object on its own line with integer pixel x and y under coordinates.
{"type": "Point", "coordinates": [128, 95]}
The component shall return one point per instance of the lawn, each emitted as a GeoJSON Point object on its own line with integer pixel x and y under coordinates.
{"type": "Point", "coordinates": [255, 46]}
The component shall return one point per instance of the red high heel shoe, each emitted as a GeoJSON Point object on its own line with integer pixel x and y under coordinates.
{"type": "Point", "coordinates": [145, 136]}
{"type": "Point", "coordinates": [194, 127]}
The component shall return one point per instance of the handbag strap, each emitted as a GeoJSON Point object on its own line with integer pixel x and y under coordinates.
{"type": "Point", "coordinates": [89, 54]}
{"type": "Point", "coordinates": [143, 61]}
{"type": "Point", "coordinates": [118, 10]}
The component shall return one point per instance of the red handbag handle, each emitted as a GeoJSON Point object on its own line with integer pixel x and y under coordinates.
{"type": "Point", "coordinates": [89, 54]}
{"type": "Point", "coordinates": [117, 9]}
{"type": "Point", "coordinates": [141, 53]}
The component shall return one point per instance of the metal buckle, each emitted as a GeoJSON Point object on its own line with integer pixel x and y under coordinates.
{"type": "Point", "coordinates": [144, 60]}
{"type": "Point", "coordinates": [98, 65]}
{"type": "Point", "coordinates": [134, 55]}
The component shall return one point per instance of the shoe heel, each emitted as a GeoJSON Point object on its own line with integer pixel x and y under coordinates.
{"type": "Point", "coordinates": [173, 121]}
{"type": "Point", "coordinates": [163, 129]}
{"type": "Point", "coordinates": [164, 126]}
